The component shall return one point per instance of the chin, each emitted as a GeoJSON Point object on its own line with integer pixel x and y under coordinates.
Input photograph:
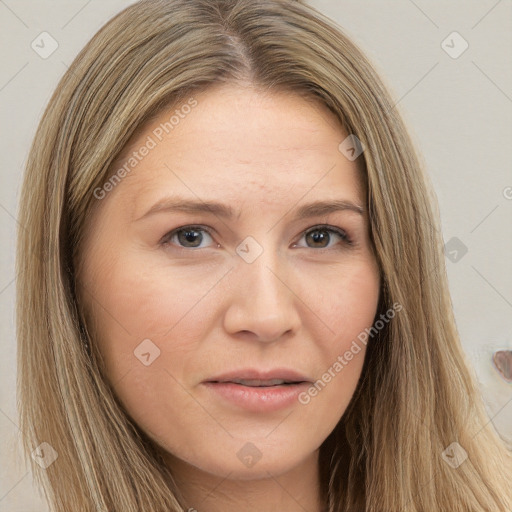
{"type": "Point", "coordinates": [250, 463]}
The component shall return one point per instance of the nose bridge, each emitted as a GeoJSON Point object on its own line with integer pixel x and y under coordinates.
{"type": "Point", "coordinates": [263, 276]}
{"type": "Point", "coordinates": [262, 301]}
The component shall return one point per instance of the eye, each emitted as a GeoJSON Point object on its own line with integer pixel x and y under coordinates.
{"type": "Point", "coordinates": [188, 237]}
{"type": "Point", "coordinates": [320, 236]}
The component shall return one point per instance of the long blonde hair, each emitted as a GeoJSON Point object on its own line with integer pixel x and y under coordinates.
{"type": "Point", "coordinates": [416, 394]}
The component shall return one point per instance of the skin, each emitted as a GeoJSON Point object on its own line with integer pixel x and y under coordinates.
{"type": "Point", "coordinates": [300, 304]}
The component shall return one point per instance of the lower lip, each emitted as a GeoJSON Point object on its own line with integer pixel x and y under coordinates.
{"type": "Point", "coordinates": [258, 399]}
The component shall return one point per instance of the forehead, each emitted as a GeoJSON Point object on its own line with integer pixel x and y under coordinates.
{"type": "Point", "coordinates": [239, 144]}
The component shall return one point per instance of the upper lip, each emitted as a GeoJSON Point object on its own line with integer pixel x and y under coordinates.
{"type": "Point", "coordinates": [286, 374]}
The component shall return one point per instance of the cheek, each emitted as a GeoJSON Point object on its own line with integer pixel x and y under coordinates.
{"type": "Point", "coordinates": [140, 310]}
{"type": "Point", "coordinates": [348, 307]}
{"type": "Point", "coordinates": [347, 304]}
{"type": "Point", "coordinates": [137, 312]}
{"type": "Point", "coordinates": [145, 302]}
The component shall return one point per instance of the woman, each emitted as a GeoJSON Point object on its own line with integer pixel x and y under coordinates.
{"type": "Point", "coordinates": [231, 288]}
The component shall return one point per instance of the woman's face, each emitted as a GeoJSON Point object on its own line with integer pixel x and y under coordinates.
{"type": "Point", "coordinates": [201, 314]}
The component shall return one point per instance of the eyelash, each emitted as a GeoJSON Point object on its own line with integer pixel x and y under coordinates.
{"type": "Point", "coordinates": [165, 241]}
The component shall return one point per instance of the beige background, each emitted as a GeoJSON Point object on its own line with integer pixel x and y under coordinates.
{"type": "Point", "coordinates": [459, 111]}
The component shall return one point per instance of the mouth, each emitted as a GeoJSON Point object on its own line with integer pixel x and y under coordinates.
{"type": "Point", "coordinates": [258, 391]}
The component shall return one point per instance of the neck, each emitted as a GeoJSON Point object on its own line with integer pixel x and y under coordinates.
{"type": "Point", "coordinates": [293, 491]}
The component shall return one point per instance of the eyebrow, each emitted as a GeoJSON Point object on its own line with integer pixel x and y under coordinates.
{"type": "Point", "coordinates": [313, 209]}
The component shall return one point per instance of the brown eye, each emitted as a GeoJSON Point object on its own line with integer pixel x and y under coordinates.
{"type": "Point", "coordinates": [188, 237]}
{"type": "Point", "coordinates": [321, 236]}
{"type": "Point", "coordinates": [318, 238]}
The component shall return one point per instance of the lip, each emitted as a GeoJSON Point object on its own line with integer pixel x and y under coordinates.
{"type": "Point", "coordinates": [258, 398]}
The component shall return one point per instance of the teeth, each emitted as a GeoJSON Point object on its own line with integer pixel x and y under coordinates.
{"type": "Point", "coordinates": [258, 382]}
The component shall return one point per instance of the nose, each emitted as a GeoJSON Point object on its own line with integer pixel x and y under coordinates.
{"type": "Point", "coordinates": [262, 302]}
